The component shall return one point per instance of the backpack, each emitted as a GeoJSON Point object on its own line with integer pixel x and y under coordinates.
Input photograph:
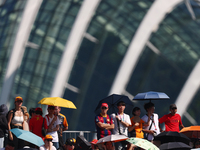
{"type": "Point", "coordinates": [13, 111]}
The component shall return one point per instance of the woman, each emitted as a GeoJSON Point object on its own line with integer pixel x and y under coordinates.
{"type": "Point", "coordinates": [136, 127]}
{"type": "Point", "coordinates": [16, 120]}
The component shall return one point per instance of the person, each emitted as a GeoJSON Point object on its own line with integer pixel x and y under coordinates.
{"type": "Point", "coordinates": [109, 146]}
{"type": "Point", "coordinates": [31, 112]}
{"type": "Point", "coordinates": [121, 123]}
{"type": "Point", "coordinates": [26, 118]}
{"type": "Point", "coordinates": [9, 146]}
{"type": "Point", "coordinates": [104, 122]}
{"type": "Point", "coordinates": [3, 124]}
{"type": "Point", "coordinates": [136, 127]}
{"type": "Point", "coordinates": [70, 144]}
{"type": "Point", "coordinates": [53, 125]}
{"type": "Point", "coordinates": [48, 145]}
{"type": "Point", "coordinates": [93, 144]}
{"type": "Point", "coordinates": [153, 128]}
{"type": "Point", "coordinates": [36, 123]}
{"type": "Point", "coordinates": [172, 120]}
{"type": "Point", "coordinates": [62, 127]}
{"type": "Point", "coordinates": [16, 120]}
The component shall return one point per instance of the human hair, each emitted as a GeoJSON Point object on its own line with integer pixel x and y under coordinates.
{"type": "Point", "coordinates": [31, 110]}
{"type": "Point", "coordinates": [39, 112]}
{"type": "Point", "coordinates": [134, 110]}
{"type": "Point", "coordinates": [121, 103]}
{"type": "Point", "coordinates": [148, 105]}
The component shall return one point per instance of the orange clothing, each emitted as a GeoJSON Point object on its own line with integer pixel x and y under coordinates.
{"type": "Point", "coordinates": [35, 125]}
{"type": "Point", "coordinates": [138, 129]}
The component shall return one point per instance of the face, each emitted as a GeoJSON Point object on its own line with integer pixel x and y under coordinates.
{"type": "Point", "coordinates": [47, 141]}
{"type": "Point", "coordinates": [109, 145]}
{"type": "Point", "coordinates": [121, 107]}
{"type": "Point", "coordinates": [151, 109]}
{"type": "Point", "coordinates": [51, 110]}
{"type": "Point", "coordinates": [137, 112]}
{"type": "Point", "coordinates": [173, 111]}
{"type": "Point", "coordinates": [56, 110]}
{"type": "Point", "coordinates": [104, 110]}
{"type": "Point", "coordinates": [69, 147]}
{"type": "Point", "coordinates": [18, 103]}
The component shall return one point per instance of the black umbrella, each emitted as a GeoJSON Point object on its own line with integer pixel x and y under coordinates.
{"type": "Point", "coordinates": [151, 96]}
{"type": "Point", "coordinates": [171, 136]}
{"type": "Point", "coordinates": [112, 101]}
{"type": "Point", "coordinates": [175, 145]}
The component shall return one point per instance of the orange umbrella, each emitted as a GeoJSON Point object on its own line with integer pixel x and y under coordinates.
{"type": "Point", "coordinates": [191, 132]}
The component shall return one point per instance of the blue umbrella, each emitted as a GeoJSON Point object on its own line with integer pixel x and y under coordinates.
{"type": "Point", "coordinates": [151, 96]}
{"type": "Point", "coordinates": [28, 136]}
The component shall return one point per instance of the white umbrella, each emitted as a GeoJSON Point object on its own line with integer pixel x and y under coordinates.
{"type": "Point", "coordinates": [112, 138]}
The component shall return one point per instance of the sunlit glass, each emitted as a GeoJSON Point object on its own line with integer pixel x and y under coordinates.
{"type": "Point", "coordinates": [103, 107]}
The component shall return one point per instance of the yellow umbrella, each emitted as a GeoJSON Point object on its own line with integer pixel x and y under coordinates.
{"type": "Point", "coordinates": [57, 101]}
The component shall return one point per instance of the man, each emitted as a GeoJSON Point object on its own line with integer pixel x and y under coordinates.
{"type": "Point", "coordinates": [53, 125]}
{"type": "Point", "coordinates": [172, 120]}
{"type": "Point", "coordinates": [152, 120]}
{"type": "Point", "coordinates": [62, 127]}
{"type": "Point", "coordinates": [104, 123]}
{"type": "Point", "coordinates": [121, 122]}
{"type": "Point", "coordinates": [70, 144]}
{"type": "Point", "coordinates": [48, 145]}
{"type": "Point", "coordinates": [36, 122]}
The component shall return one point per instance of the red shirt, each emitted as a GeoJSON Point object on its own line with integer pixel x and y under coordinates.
{"type": "Point", "coordinates": [172, 123]}
{"type": "Point", "coordinates": [35, 125]}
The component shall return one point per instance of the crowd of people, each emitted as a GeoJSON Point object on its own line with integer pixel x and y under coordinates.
{"type": "Point", "coordinates": [51, 126]}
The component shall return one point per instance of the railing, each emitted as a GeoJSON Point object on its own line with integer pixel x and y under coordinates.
{"type": "Point", "coordinates": [89, 135]}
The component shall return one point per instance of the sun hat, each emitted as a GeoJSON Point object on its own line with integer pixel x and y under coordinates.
{"type": "Point", "coordinates": [18, 98]}
{"type": "Point", "coordinates": [48, 137]}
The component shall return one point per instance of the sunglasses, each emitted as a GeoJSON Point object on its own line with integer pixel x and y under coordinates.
{"type": "Point", "coordinates": [49, 140]}
{"type": "Point", "coordinates": [19, 101]}
{"type": "Point", "coordinates": [103, 107]}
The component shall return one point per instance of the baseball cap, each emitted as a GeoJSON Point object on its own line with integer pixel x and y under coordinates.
{"type": "Point", "coordinates": [38, 109]}
{"type": "Point", "coordinates": [104, 105]}
{"type": "Point", "coordinates": [172, 106]}
{"type": "Point", "coordinates": [48, 137]}
{"type": "Point", "coordinates": [18, 98]}
{"type": "Point", "coordinates": [70, 141]}
{"type": "Point", "coordinates": [94, 141]}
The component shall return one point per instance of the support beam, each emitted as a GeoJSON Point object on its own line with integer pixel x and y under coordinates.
{"type": "Point", "coordinates": [149, 24]}
{"type": "Point", "coordinates": [17, 53]}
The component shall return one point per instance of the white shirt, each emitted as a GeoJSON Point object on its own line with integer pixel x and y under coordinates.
{"type": "Point", "coordinates": [123, 129]}
{"type": "Point", "coordinates": [43, 148]}
{"type": "Point", "coordinates": [54, 134]}
{"type": "Point", "coordinates": [154, 126]}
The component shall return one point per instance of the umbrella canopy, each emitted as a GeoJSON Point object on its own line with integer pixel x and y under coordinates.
{"type": "Point", "coordinates": [151, 96]}
{"type": "Point", "coordinates": [142, 143]}
{"type": "Point", "coordinates": [27, 136]}
{"type": "Point", "coordinates": [112, 101]}
{"type": "Point", "coordinates": [170, 136]}
{"type": "Point", "coordinates": [57, 101]}
{"type": "Point", "coordinates": [112, 138]}
{"type": "Point", "coordinates": [175, 145]}
{"type": "Point", "coordinates": [191, 132]}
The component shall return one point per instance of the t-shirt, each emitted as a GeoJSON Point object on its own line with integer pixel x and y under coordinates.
{"type": "Point", "coordinates": [123, 129]}
{"type": "Point", "coordinates": [54, 134]}
{"type": "Point", "coordinates": [63, 122]}
{"type": "Point", "coordinates": [138, 129]}
{"type": "Point", "coordinates": [154, 126]}
{"type": "Point", "coordinates": [101, 132]}
{"type": "Point", "coordinates": [43, 148]}
{"type": "Point", "coordinates": [35, 125]}
{"type": "Point", "coordinates": [172, 122]}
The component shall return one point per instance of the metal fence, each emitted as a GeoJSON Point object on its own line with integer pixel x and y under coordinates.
{"type": "Point", "coordinates": [89, 135]}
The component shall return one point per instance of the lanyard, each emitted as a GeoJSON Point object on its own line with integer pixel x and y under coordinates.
{"type": "Point", "coordinates": [121, 117]}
